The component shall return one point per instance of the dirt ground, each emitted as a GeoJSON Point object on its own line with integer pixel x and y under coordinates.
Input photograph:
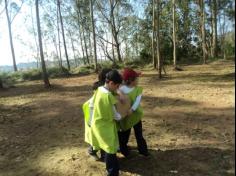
{"type": "Point", "coordinates": [189, 126]}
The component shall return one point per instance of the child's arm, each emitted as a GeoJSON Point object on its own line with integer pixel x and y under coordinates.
{"type": "Point", "coordinates": [136, 104]}
{"type": "Point", "coordinates": [91, 106]}
{"type": "Point", "coordinates": [117, 116]}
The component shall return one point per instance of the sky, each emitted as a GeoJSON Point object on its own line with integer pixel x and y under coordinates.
{"type": "Point", "coordinates": [19, 31]}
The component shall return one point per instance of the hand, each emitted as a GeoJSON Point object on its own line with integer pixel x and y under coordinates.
{"type": "Point", "coordinates": [130, 111]}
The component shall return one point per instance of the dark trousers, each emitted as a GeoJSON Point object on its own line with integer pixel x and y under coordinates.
{"type": "Point", "coordinates": [91, 151]}
{"type": "Point", "coordinates": [112, 164]}
{"type": "Point", "coordinates": [124, 139]}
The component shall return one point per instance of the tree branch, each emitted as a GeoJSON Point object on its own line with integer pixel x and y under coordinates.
{"type": "Point", "coordinates": [17, 12]}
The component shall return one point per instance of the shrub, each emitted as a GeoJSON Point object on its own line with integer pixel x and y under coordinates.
{"type": "Point", "coordinates": [55, 72]}
{"type": "Point", "coordinates": [33, 74]}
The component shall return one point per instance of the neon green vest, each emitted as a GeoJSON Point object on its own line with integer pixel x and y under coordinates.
{"type": "Point", "coordinates": [103, 131]}
{"type": "Point", "coordinates": [136, 116]}
{"type": "Point", "coordinates": [87, 129]}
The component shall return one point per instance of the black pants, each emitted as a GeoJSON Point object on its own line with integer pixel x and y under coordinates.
{"type": "Point", "coordinates": [91, 151]}
{"type": "Point", "coordinates": [112, 164]}
{"type": "Point", "coordinates": [124, 139]}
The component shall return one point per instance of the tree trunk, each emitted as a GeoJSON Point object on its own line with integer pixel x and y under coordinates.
{"type": "Point", "coordinates": [73, 48]}
{"type": "Point", "coordinates": [223, 35]}
{"type": "Point", "coordinates": [82, 47]}
{"type": "Point", "coordinates": [114, 31]}
{"type": "Point", "coordinates": [214, 27]}
{"type": "Point", "coordinates": [94, 37]}
{"type": "Point", "coordinates": [1, 84]}
{"type": "Point", "coordinates": [59, 39]}
{"type": "Point", "coordinates": [57, 53]}
{"type": "Point", "coordinates": [112, 47]}
{"type": "Point", "coordinates": [63, 34]}
{"type": "Point", "coordinates": [158, 40]}
{"type": "Point", "coordinates": [153, 35]}
{"type": "Point", "coordinates": [10, 36]}
{"type": "Point", "coordinates": [174, 35]}
{"type": "Point", "coordinates": [203, 31]}
{"type": "Point", "coordinates": [83, 36]}
{"type": "Point", "coordinates": [85, 45]}
{"type": "Point", "coordinates": [90, 46]}
{"type": "Point", "coordinates": [35, 38]}
{"type": "Point", "coordinates": [45, 76]}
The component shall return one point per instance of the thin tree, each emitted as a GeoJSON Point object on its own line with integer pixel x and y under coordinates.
{"type": "Point", "coordinates": [158, 41]}
{"type": "Point", "coordinates": [35, 37]}
{"type": "Point", "coordinates": [174, 34]}
{"type": "Point", "coordinates": [83, 35]}
{"type": "Point", "coordinates": [214, 28]}
{"type": "Point", "coordinates": [73, 47]}
{"type": "Point", "coordinates": [154, 59]}
{"type": "Point", "coordinates": [94, 36]}
{"type": "Point", "coordinates": [45, 76]}
{"type": "Point", "coordinates": [63, 33]}
{"type": "Point", "coordinates": [9, 22]}
{"type": "Point", "coordinates": [113, 5]}
{"type": "Point", "coordinates": [59, 39]}
{"type": "Point", "coordinates": [203, 30]}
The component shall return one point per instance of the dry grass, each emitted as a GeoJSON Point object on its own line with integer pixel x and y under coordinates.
{"type": "Point", "coordinates": [188, 124]}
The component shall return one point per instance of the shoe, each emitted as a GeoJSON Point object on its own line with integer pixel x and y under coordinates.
{"type": "Point", "coordinates": [145, 153]}
{"type": "Point", "coordinates": [126, 154]}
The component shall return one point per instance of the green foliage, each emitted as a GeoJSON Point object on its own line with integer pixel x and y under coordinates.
{"type": "Point", "coordinates": [9, 78]}
{"type": "Point", "coordinates": [145, 57]}
{"type": "Point", "coordinates": [55, 72]}
{"type": "Point", "coordinates": [82, 70]}
{"type": "Point", "coordinates": [31, 75]}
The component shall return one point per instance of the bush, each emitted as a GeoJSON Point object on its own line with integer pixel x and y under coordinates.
{"type": "Point", "coordinates": [55, 72]}
{"type": "Point", "coordinates": [33, 74]}
{"type": "Point", "coordinates": [135, 63]}
{"type": "Point", "coordinates": [145, 57]}
{"type": "Point", "coordinates": [81, 70]}
{"type": "Point", "coordinates": [9, 79]}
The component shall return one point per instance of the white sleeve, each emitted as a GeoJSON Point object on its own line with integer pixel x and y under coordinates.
{"type": "Point", "coordinates": [117, 115]}
{"type": "Point", "coordinates": [136, 103]}
{"type": "Point", "coordinates": [91, 106]}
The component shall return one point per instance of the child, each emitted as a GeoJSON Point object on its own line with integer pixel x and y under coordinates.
{"type": "Point", "coordinates": [100, 82]}
{"type": "Point", "coordinates": [135, 114]}
{"type": "Point", "coordinates": [103, 129]}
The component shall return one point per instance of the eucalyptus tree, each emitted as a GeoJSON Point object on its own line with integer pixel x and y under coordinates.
{"type": "Point", "coordinates": [156, 34]}
{"type": "Point", "coordinates": [94, 34]}
{"type": "Point", "coordinates": [12, 9]}
{"type": "Point", "coordinates": [225, 14]}
{"type": "Point", "coordinates": [201, 4]}
{"type": "Point", "coordinates": [174, 33]}
{"type": "Point", "coordinates": [45, 75]}
{"type": "Point", "coordinates": [63, 33]}
{"type": "Point", "coordinates": [82, 10]}
{"type": "Point", "coordinates": [114, 13]}
{"type": "Point", "coordinates": [213, 7]}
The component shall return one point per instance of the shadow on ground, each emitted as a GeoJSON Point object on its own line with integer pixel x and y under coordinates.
{"type": "Point", "coordinates": [184, 162]}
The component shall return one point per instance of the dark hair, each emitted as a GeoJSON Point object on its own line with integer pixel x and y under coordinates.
{"type": "Point", "coordinates": [102, 75]}
{"type": "Point", "coordinates": [101, 78]}
{"type": "Point", "coordinates": [114, 76]}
